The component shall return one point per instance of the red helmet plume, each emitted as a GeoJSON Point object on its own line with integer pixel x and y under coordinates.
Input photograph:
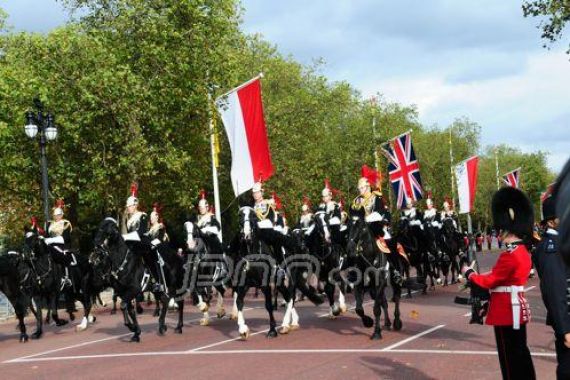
{"type": "Point", "coordinates": [277, 200]}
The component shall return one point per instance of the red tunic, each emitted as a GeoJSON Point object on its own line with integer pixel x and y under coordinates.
{"type": "Point", "coordinates": [512, 268]}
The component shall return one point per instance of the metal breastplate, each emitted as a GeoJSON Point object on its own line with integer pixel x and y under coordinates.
{"type": "Point", "coordinates": [133, 223]}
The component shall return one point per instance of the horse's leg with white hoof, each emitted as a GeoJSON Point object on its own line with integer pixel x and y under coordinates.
{"type": "Point", "coordinates": [242, 327]}
{"type": "Point", "coordinates": [294, 319]}
{"type": "Point", "coordinates": [202, 306]}
{"type": "Point", "coordinates": [342, 302]}
{"type": "Point", "coordinates": [286, 324]}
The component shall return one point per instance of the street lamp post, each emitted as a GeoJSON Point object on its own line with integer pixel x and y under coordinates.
{"type": "Point", "coordinates": [44, 124]}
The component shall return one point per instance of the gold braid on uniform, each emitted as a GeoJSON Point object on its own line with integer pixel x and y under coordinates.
{"type": "Point", "coordinates": [363, 203]}
{"type": "Point", "coordinates": [261, 215]}
{"type": "Point", "coordinates": [57, 228]}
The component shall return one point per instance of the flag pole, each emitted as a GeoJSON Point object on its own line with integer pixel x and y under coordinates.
{"type": "Point", "coordinates": [452, 172]}
{"type": "Point", "coordinates": [258, 76]}
{"type": "Point", "coordinates": [214, 162]}
{"type": "Point", "coordinates": [497, 167]}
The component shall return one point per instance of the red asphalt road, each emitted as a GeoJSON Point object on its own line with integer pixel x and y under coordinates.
{"type": "Point", "coordinates": [436, 343]}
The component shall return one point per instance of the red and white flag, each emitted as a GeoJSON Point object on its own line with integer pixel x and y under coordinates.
{"type": "Point", "coordinates": [242, 114]}
{"type": "Point", "coordinates": [466, 176]}
{"type": "Point", "coordinates": [512, 178]}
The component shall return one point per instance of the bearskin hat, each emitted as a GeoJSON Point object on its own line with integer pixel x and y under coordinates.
{"type": "Point", "coordinates": [512, 212]}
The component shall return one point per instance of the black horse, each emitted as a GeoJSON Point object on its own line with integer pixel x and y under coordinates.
{"type": "Point", "coordinates": [439, 261]}
{"type": "Point", "coordinates": [414, 243]}
{"type": "Point", "coordinates": [331, 259]}
{"type": "Point", "coordinates": [40, 279]}
{"type": "Point", "coordinates": [372, 271]}
{"type": "Point", "coordinates": [121, 268]}
{"type": "Point", "coordinates": [256, 265]}
{"type": "Point", "coordinates": [451, 245]}
{"type": "Point", "coordinates": [10, 286]}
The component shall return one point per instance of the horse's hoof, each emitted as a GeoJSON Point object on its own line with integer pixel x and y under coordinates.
{"type": "Point", "coordinates": [397, 324]}
{"type": "Point", "coordinates": [92, 319]}
{"type": "Point", "coordinates": [80, 328]}
{"type": "Point", "coordinates": [204, 322]}
{"type": "Point", "coordinates": [61, 322]}
{"type": "Point", "coordinates": [136, 338]}
{"type": "Point", "coordinates": [221, 313]}
{"type": "Point", "coordinates": [244, 332]}
{"type": "Point", "coordinates": [272, 334]}
{"type": "Point", "coordinates": [294, 327]}
{"type": "Point", "coordinates": [23, 338]}
{"type": "Point", "coordinates": [388, 327]}
{"type": "Point", "coordinates": [335, 311]}
{"type": "Point", "coordinates": [178, 330]}
{"type": "Point", "coordinates": [233, 317]}
{"type": "Point", "coordinates": [284, 330]}
{"type": "Point", "coordinates": [332, 317]}
{"type": "Point", "coordinates": [156, 313]}
{"type": "Point", "coordinates": [203, 307]}
{"type": "Point", "coordinates": [367, 321]}
{"type": "Point", "coordinates": [113, 311]}
{"type": "Point", "coordinates": [376, 336]}
{"type": "Point", "coordinates": [162, 330]}
{"type": "Point", "coordinates": [37, 335]}
{"type": "Point", "coordinates": [343, 309]}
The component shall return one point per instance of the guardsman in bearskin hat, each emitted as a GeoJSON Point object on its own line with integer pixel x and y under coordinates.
{"type": "Point", "coordinates": [554, 279]}
{"type": "Point", "coordinates": [509, 311]}
{"type": "Point", "coordinates": [371, 205]}
{"type": "Point", "coordinates": [58, 242]}
{"type": "Point", "coordinates": [135, 222]}
{"type": "Point", "coordinates": [332, 211]}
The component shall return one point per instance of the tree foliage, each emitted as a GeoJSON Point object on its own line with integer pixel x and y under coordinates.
{"type": "Point", "coordinates": [557, 14]}
{"type": "Point", "coordinates": [129, 83]}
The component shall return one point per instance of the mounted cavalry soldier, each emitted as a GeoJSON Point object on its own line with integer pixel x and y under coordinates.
{"type": "Point", "coordinates": [331, 210]}
{"type": "Point", "coordinates": [306, 218]}
{"type": "Point", "coordinates": [509, 311]}
{"type": "Point", "coordinates": [448, 212]}
{"type": "Point", "coordinates": [58, 242]}
{"type": "Point", "coordinates": [156, 228]}
{"type": "Point", "coordinates": [208, 225]}
{"type": "Point", "coordinates": [413, 216]}
{"type": "Point", "coordinates": [266, 219]}
{"type": "Point", "coordinates": [554, 279]}
{"type": "Point", "coordinates": [280, 221]}
{"type": "Point", "coordinates": [135, 222]}
{"type": "Point", "coordinates": [371, 205]}
{"type": "Point", "coordinates": [431, 216]}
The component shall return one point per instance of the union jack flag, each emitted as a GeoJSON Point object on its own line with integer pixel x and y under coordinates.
{"type": "Point", "coordinates": [403, 169]}
{"type": "Point", "coordinates": [512, 178]}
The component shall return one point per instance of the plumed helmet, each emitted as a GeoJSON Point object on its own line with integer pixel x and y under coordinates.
{"type": "Point", "coordinates": [371, 175]}
{"type": "Point", "coordinates": [512, 212]}
{"type": "Point", "coordinates": [132, 200]}
{"type": "Point", "coordinates": [59, 207]}
{"type": "Point", "coordinates": [327, 191]}
{"type": "Point", "coordinates": [429, 202]}
{"type": "Point", "coordinates": [258, 186]}
{"type": "Point", "coordinates": [306, 203]}
{"type": "Point", "coordinates": [203, 202]}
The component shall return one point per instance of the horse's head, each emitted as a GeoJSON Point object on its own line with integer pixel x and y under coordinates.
{"type": "Point", "coordinates": [448, 227]}
{"type": "Point", "coordinates": [108, 231]}
{"type": "Point", "coordinates": [357, 227]}
{"type": "Point", "coordinates": [32, 243]}
{"type": "Point", "coordinates": [247, 222]}
{"type": "Point", "coordinates": [321, 226]}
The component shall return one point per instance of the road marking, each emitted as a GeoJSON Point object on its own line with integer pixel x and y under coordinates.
{"type": "Point", "coordinates": [414, 337]}
{"type": "Point", "coordinates": [88, 343]}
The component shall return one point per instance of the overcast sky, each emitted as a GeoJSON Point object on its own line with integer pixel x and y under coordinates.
{"type": "Point", "coordinates": [481, 59]}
